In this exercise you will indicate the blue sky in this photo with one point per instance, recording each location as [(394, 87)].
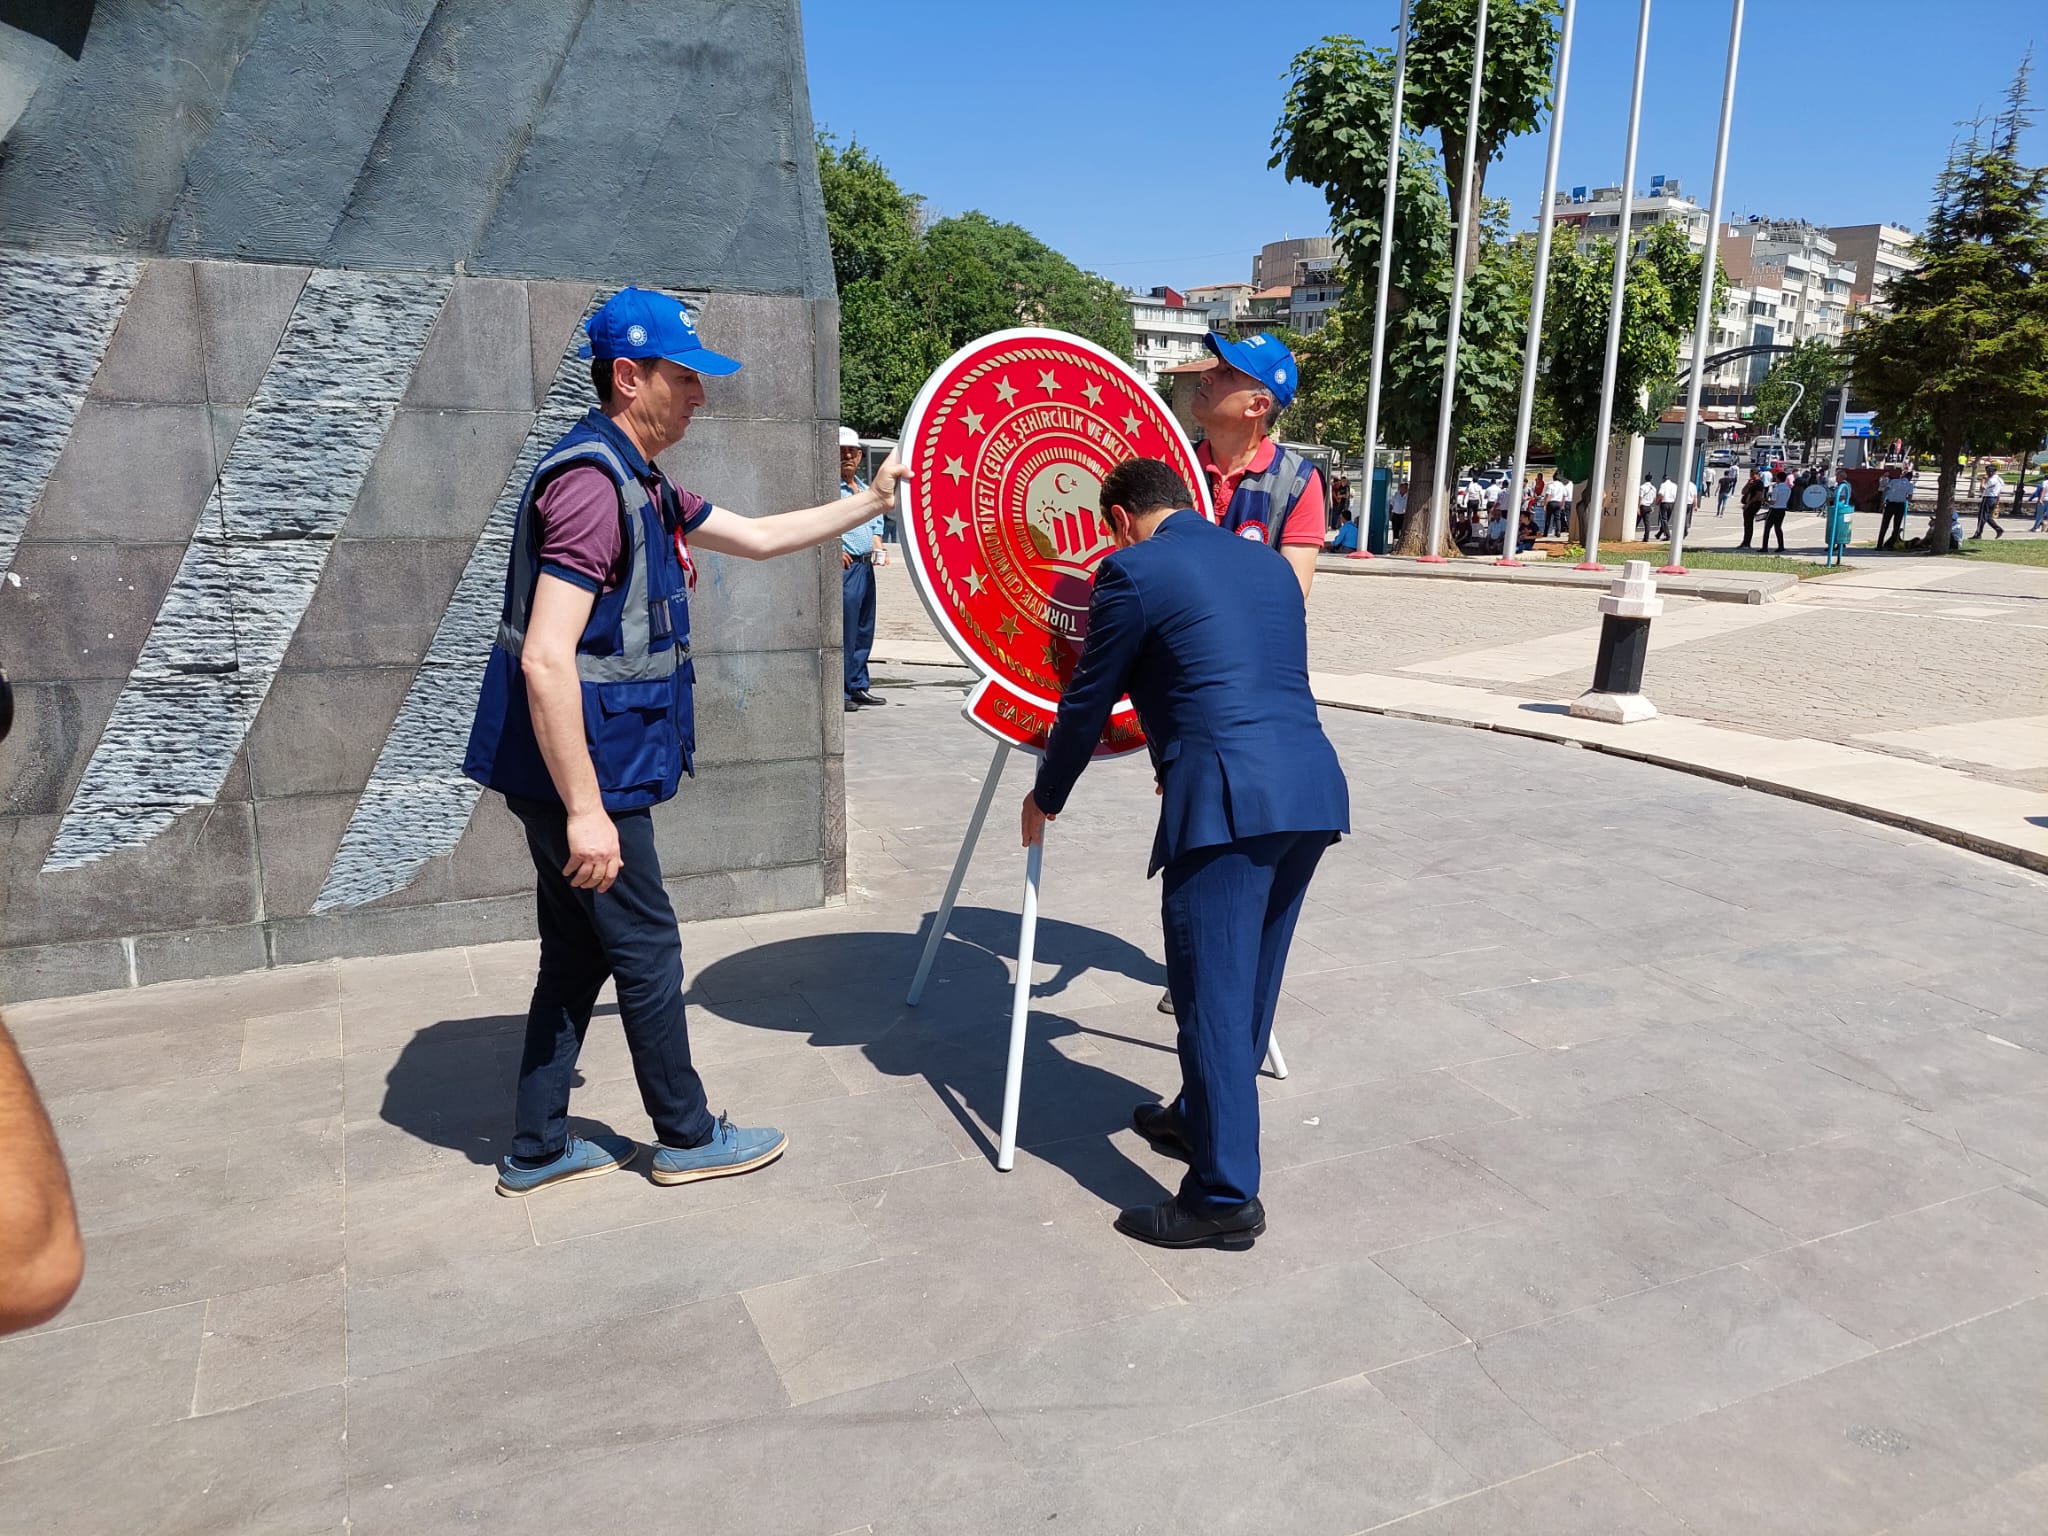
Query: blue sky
[(1133, 136)]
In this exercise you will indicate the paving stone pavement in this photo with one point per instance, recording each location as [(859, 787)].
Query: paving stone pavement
[(1864, 660), (1676, 1170)]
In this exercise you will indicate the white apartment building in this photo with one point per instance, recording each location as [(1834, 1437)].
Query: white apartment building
[(1596, 213), (1224, 303), (1801, 261), (1880, 253), (1166, 332), (1316, 292)]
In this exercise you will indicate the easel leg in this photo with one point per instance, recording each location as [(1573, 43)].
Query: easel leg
[(945, 912), (1275, 1062), (1020, 1009)]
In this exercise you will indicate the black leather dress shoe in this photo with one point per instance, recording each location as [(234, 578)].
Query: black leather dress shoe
[(1169, 1225), (851, 706), (1158, 1124), (868, 696)]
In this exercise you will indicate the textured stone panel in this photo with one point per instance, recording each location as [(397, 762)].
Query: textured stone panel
[(437, 474), (136, 473), (479, 357), (62, 970), (758, 707), (555, 313), (319, 732), (156, 355), (82, 610), (45, 370), (771, 336), (201, 873), (273, 177), (379, 602), (243, 308), (750, 817)]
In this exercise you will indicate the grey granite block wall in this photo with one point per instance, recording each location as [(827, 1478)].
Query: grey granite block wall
[(283, 330)]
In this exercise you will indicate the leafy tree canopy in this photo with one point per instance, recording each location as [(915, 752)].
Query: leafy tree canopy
[(1815, 363), (910, 296)]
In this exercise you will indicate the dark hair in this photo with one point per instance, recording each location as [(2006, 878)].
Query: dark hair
[(601, 375), (1143, 485)]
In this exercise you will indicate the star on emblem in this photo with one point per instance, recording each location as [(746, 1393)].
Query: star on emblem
[(1131, 424), (956, 525), (973, 420), (954, 468), (1092, 393), (1048, 383), (975, 582), (1052, 654), (1008, 628), (1006, 391)]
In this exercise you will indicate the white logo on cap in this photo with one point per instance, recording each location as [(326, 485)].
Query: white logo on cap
[(637, 335), (1280, 375), (683, 315)]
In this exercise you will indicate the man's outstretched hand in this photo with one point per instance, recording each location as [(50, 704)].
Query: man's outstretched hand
[(1034, 821)]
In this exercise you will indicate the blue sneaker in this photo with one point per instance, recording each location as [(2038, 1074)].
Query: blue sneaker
[(731, 1149), (584, 1158)]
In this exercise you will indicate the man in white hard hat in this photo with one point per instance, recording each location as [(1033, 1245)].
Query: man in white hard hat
[(860, 551)]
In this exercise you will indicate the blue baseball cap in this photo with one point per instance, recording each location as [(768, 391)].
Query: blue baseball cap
[(637, 322), (1265, 358)]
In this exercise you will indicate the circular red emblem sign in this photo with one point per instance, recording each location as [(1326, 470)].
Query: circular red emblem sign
[(1009, 443)]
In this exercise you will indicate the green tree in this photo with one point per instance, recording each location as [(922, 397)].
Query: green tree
[(1963, 355), (1659, 303), (910, 296), (1332, 134), (1817, 364)]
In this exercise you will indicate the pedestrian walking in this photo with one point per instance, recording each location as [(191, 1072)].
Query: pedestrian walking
[(1646, 502), (1667, 501), (1567, 492), (1397, 510), (2040, 507), (860, 550), (585, 724), (1210, 641), (1897, 500), (1754, 495), (1774, 512), (1724, 490), (1987, 509)]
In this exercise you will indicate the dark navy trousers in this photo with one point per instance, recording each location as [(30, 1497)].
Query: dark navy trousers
[(1229, 914), (627, 934), (857, 593)]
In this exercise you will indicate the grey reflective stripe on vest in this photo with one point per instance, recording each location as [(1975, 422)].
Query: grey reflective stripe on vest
[(1288, 469), (635, 661)]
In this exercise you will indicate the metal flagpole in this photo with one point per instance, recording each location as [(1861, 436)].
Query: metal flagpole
[(1379, 316), (1544, 223), (1608, 370), (1708, 265), (1439, 514)]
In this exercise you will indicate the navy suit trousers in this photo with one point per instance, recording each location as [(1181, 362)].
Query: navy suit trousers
[(627, 933), (857, 599), (1229, 914)]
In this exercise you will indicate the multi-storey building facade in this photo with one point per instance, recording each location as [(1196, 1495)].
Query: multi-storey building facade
[(1801, 261), (1166, 332), (1880, 253), (1596, 214)]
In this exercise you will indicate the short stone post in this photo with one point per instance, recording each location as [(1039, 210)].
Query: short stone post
[(1627, 608)]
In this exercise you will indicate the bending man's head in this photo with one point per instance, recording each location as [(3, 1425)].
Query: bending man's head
[(1136, 495)]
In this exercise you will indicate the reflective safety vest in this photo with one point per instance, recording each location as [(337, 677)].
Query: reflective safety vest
[(1250, 513), (633, 658)]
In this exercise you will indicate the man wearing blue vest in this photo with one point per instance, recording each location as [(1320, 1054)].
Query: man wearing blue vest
[(860, 551), (1209, 637), (1261, 491), (585, 723)]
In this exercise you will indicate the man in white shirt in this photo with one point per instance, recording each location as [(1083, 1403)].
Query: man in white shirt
[(1898, 497), (1667, 498), (1774, 512), (1565, 493), (1397, 510), (1646, 498), (1987, 509)]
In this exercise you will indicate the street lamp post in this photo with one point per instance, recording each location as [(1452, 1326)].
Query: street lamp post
[(1709, 266), (1612, 366), (1439, 511)]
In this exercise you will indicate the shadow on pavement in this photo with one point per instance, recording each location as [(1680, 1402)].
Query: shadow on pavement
[(453, 1082), (847, 989)]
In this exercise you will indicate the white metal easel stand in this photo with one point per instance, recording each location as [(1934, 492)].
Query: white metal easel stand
[(1027, 944)]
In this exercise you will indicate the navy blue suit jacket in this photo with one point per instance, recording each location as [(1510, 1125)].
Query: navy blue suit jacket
[(1208, 634)]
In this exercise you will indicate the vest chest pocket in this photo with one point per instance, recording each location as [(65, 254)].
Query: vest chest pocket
[(633, 739)]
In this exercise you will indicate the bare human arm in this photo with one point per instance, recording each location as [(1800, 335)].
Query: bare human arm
[(554, 695), (41, 1257), (1303, 558), (725, 532)]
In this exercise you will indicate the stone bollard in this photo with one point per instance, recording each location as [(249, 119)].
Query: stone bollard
[(1617, 692)]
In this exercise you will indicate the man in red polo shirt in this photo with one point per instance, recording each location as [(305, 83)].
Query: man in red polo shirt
[(1260, 490)]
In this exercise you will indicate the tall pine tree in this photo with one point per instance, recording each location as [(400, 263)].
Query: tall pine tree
[(1961, 362)]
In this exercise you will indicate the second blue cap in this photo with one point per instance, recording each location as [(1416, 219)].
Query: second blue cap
[(638, 322)]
